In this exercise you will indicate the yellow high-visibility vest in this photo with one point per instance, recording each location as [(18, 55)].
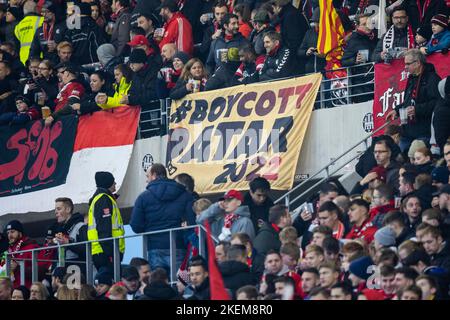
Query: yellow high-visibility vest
[(117, 225), (24, 32)]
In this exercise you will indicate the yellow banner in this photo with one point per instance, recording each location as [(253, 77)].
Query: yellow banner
[(228, 137)]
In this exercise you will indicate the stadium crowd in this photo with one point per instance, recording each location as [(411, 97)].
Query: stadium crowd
[(387, 239)]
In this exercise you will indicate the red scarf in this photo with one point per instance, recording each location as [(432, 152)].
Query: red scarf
[(229, 219), (277, 228), (363, 32), (423, 9), (48, 32), (228, 37), (274, 50), (339, 234)]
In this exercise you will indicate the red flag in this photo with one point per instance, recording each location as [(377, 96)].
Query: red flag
[(217, 288)]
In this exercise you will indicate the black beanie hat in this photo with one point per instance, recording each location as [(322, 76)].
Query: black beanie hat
[(104, 179), (24, 99), (184, 57), (14, 225), (138, 56), (16, 12)]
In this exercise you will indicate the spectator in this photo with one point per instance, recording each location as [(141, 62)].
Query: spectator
[(398, 38), (412, 209), (143, 267), (123, 81), (47, 82), (177, 28), (159, 288), (18, 69), (423, 36), (279, 59), (13, 16), (5, 289), (213, 29), (310, 280), (359, 217), (440, 40), (242, 11), (284, 287), (117, 292), (422, 160), (293, 27), (38, 292), (99, 89), (307, 52), (86, 39), (404, 277), (319, 293), (258, 201), (328, 275), (314, 256), (25, 113), (329, 215), (149, 22), (384, 238), (268, 235), (421, 95), (436, 248), (387, 281), (165, 204), (262, 25), (20, 293), (383, 202), (121, 30), (320, 233), (130, 279), (223, 76), (428, 285), (107, 57), (255, 260), (229, 39), (18, 241), (441, 116), (235, 271), (26, 29), (168, 77), (221, 251), (359, 49), (64, 293), (64, 50), (103, 282), (422, 12), (48, 35), (411, 292), (247, 293), (71, 92), (193, 79), (383, 156), (142, 90), (341, 291), (288, 235), (199, 277), (248, 71), (395, 221), (229, 217), (97, 14), (331, 246), (406, 185), (105, 221), (140, 42), (70, 228)]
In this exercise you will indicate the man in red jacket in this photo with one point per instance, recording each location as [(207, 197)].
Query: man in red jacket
[(19, 242), (359, 217), (177, 28)]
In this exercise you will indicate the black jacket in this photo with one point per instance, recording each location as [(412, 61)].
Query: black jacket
[(293, 27), (103, 222), (257, 39), (400, 40), (223, 77), (258, 212), (213, 62), (143, 86), (50, 88), (88, 104), (312, 63), (267, 239), (442, 258), (39, 44), (406, 234), (277, 65), (159, 291), (85, 41), (236, 275), (180, 91), (441, 120), (202, 292), (425, 101)]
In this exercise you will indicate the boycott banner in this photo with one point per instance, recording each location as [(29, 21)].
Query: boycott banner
[(228, 137), (35, 157), (390, 83)]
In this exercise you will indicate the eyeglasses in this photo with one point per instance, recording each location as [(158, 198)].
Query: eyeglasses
[(380, 151)]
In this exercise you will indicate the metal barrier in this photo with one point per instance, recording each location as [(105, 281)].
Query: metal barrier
[(155, 121), (286, 197), (89, 271)]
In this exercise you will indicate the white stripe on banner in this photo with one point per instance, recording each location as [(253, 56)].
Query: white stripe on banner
[(80, 183)]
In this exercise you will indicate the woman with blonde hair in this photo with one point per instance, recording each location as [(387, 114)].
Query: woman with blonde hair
[(64, 293), (38, 291), (193, 79)]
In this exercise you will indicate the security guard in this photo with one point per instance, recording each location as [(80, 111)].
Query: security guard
[(105, 221), (26, 29)]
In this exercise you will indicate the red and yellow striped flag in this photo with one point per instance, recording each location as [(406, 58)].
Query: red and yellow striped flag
[(331, 37)]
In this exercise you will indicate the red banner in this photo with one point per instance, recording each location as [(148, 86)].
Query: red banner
[(390, 83)]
